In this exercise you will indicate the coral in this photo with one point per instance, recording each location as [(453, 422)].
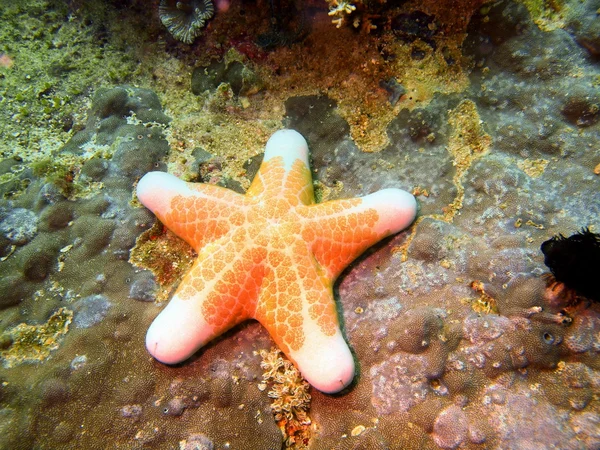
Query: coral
[(58, 258), (18, 226), (231, 70), (60, 49), (416, 25), (339, 10), (581, 24), (289, 24), (54, 392), (90, 310), (143, 289), (164, 254), (60, 173), (196, 442), (468, 141), (451, 428), (290, 397), (57, 216), (509, 360), (185, 19)]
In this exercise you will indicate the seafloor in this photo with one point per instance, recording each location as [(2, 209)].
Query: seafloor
[(489, 112)]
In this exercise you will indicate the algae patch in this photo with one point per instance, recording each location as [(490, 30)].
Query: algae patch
[(163, 253), (468, 142), (533, 167), (30, 343)]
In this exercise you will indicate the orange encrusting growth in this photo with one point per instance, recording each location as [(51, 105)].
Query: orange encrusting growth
[(272, 254)]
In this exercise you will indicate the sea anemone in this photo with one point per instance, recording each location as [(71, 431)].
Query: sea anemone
[(575, 261), (185, 19)]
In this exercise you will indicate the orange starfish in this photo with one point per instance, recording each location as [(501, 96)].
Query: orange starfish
[(272, 255)]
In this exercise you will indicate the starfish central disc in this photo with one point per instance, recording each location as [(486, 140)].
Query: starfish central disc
[(272, 255)]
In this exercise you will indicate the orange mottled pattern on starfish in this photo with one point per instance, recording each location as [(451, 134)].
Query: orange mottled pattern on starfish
[(228, 276), (291, 283), (203, 218), (300, 183), (278, 309), (338, 236), (296, 187)]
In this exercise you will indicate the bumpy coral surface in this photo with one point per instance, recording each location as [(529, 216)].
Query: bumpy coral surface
[(459, 338)]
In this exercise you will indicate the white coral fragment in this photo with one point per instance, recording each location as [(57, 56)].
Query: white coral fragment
[(339, 9)]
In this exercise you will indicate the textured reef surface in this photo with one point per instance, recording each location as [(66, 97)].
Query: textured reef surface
[(489, 113)]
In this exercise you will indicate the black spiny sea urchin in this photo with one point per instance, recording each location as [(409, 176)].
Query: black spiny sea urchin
[(575, 261)]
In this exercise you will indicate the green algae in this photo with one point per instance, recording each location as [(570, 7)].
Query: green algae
[(57, 172), (53, 59)]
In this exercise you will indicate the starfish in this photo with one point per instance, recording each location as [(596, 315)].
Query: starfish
[(272, 254)]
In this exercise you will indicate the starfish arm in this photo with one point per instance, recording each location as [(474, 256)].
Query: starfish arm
[(219, 292), (340, 230), (297, 307), (284, 176), (196, 212)]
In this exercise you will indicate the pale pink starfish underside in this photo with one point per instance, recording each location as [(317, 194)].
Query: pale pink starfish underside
[(272, 255)]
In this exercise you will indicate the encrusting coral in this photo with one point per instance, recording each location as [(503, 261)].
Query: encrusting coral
[(485, 363)]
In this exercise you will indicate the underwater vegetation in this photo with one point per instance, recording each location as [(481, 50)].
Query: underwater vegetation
[(471, 329)]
